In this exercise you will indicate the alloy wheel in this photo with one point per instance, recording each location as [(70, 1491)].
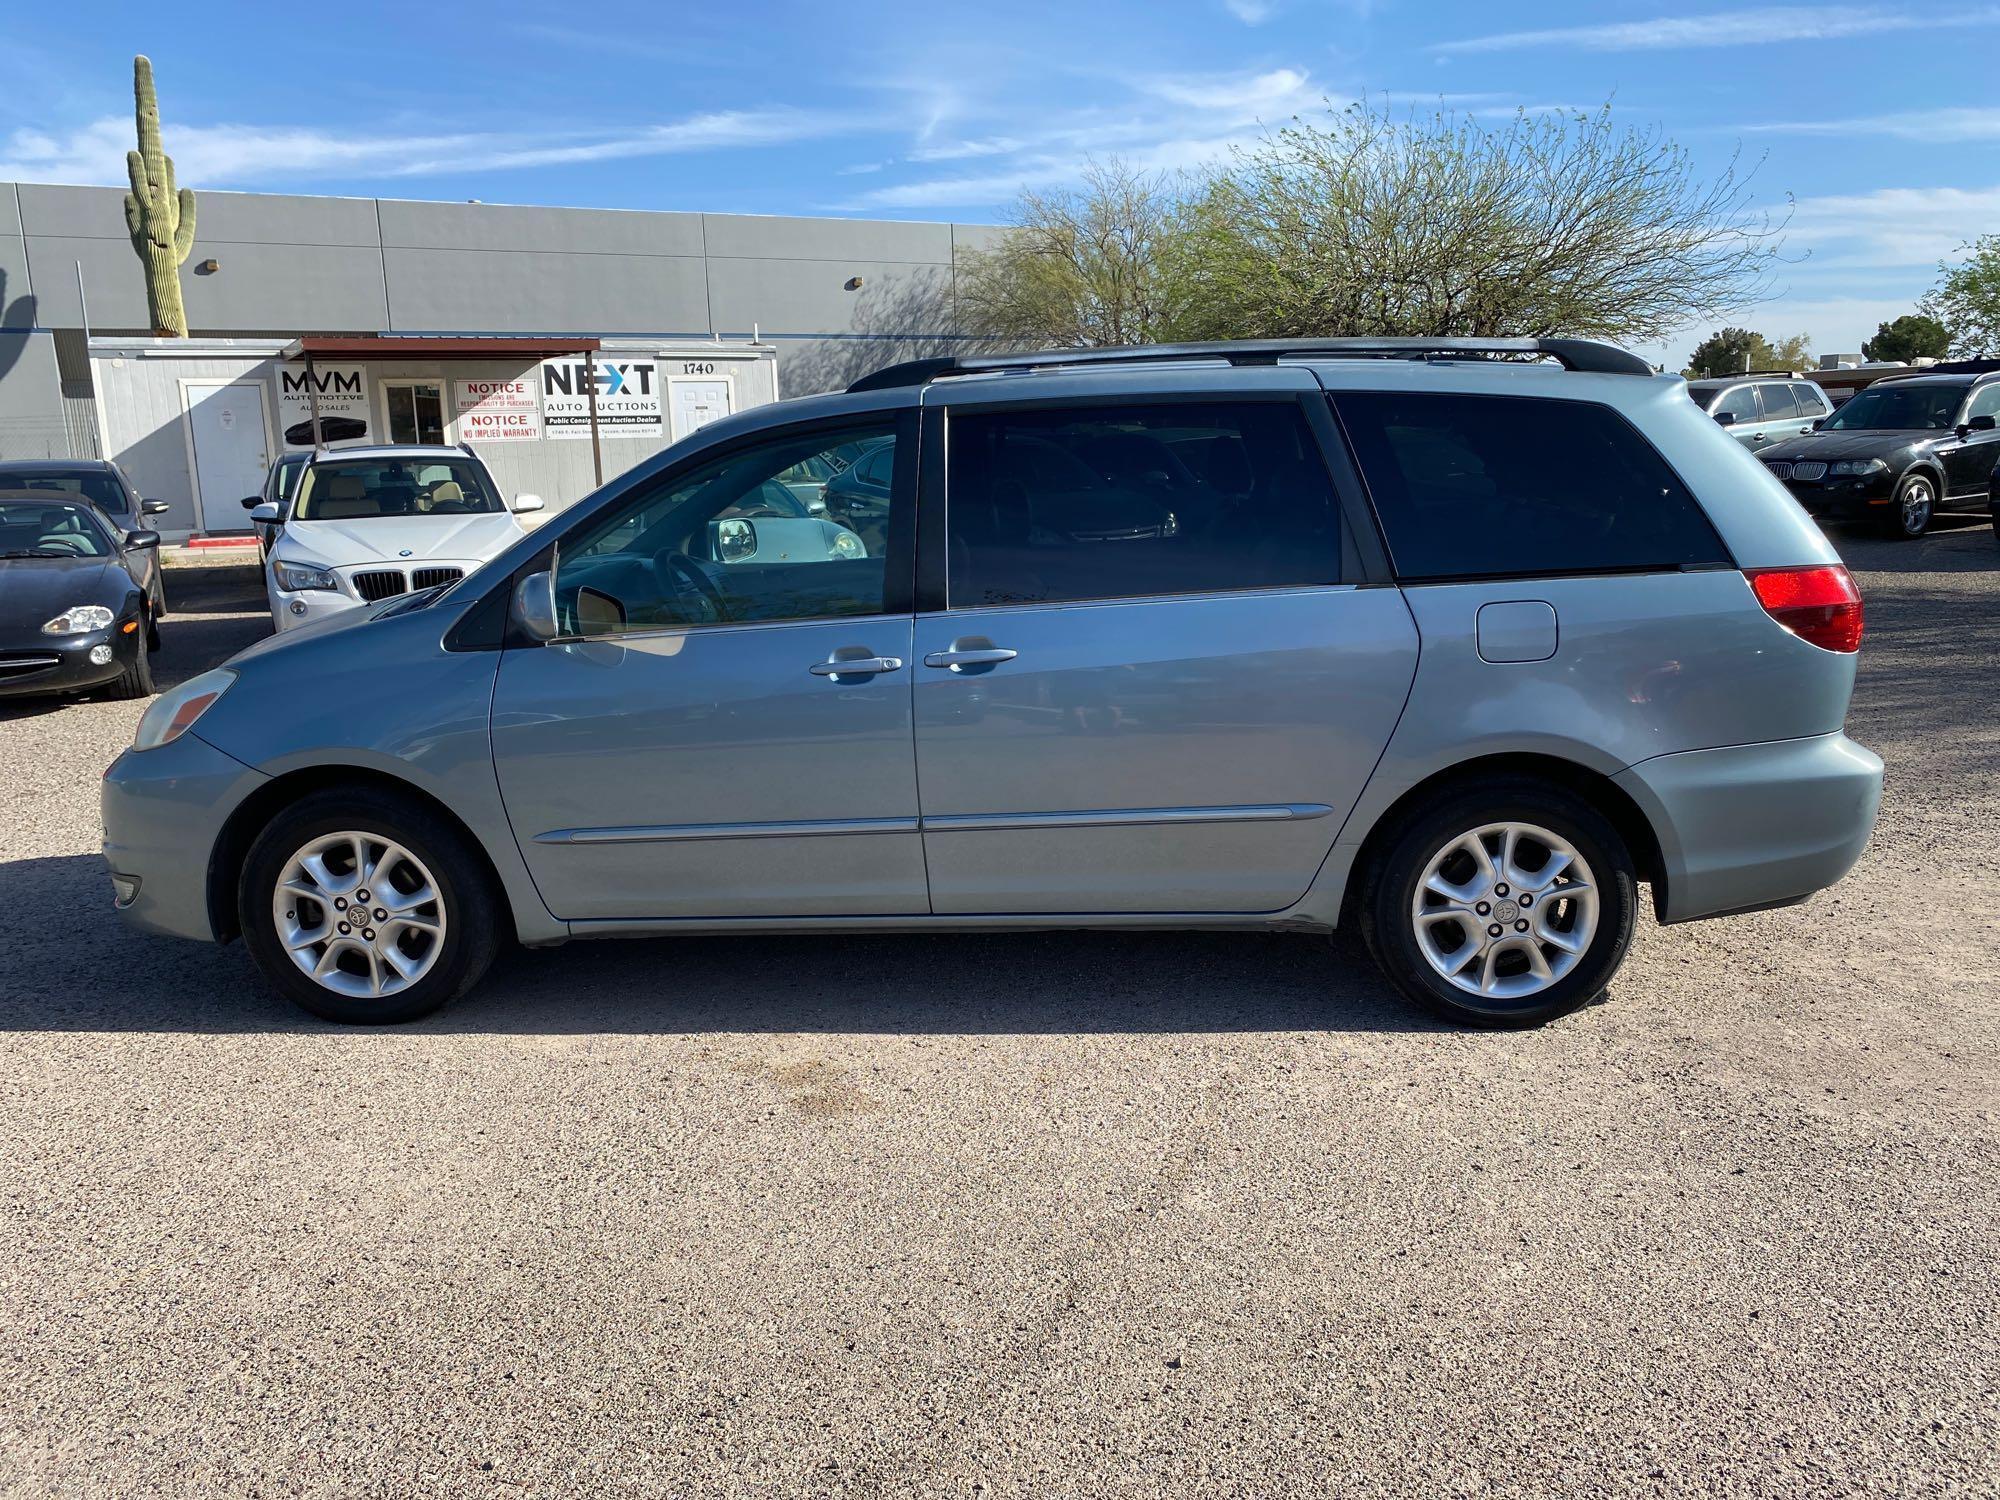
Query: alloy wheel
[(1505, 910), (359, 915), (1917, 500)]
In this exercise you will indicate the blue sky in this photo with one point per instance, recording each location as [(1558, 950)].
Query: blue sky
[(1878, 122)]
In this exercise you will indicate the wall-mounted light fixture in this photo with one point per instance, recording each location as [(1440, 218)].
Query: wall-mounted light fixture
[(208, 267), (854, 283)]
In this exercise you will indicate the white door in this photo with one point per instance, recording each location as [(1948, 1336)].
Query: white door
[(231, 443)]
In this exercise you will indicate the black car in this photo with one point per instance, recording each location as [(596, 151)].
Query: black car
[(1900, 450), (105, 486), (74, 610)]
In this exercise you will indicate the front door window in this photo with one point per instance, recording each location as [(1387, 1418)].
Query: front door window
[(416, 412)]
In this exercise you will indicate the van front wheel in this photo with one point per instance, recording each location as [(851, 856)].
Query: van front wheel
[(1505, 905), (367, 908)]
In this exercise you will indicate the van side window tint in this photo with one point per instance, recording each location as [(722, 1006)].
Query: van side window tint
[(1485, 486), (756, 534), (1120, 502)]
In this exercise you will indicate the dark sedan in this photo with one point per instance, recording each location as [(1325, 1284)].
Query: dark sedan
[(74, 611), (1900, 451), (105, 486)]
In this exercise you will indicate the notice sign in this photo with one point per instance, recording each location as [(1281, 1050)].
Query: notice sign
[(343, 403), (628, 398), (494, 411)]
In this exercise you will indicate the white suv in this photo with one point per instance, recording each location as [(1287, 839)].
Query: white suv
[(370, 523)]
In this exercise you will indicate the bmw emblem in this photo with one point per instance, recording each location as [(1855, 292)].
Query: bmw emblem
[(404, 553)]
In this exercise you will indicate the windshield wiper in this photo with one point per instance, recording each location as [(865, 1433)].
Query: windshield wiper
[(40, 552)]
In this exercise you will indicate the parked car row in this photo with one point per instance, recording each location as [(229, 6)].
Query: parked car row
[(1250, 636), (1897, 454)]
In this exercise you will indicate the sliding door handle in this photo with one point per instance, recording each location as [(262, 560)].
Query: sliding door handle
[(856, 666), (982, 656)]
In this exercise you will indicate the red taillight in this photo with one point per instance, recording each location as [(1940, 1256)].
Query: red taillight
[(1817, 604)]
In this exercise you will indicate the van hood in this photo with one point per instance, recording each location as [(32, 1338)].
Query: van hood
[(397, 539)]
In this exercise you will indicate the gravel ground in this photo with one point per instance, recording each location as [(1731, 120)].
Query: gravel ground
[(1074, 1214)]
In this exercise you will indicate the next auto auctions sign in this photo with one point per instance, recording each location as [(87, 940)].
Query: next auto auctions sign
[(492, 411), (628, 398)]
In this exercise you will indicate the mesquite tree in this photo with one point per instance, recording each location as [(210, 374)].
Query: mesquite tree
[(1365, 222), (159, 217)]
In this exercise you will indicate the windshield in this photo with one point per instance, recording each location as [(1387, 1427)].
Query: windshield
[(368, 489), (33, 528), (98, 488), (1900, 408)]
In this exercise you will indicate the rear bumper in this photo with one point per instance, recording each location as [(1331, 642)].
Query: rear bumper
[(1756, 825), (163, 810)]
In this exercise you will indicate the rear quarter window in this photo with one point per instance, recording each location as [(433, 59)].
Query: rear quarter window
[(1509, 486)]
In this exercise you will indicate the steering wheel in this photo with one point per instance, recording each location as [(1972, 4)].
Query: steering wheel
[(73, 544), (683, 569)]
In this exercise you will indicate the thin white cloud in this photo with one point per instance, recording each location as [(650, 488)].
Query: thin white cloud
[(1236, 96), (1163, 122), (1891, 226), (1250, 12), (1937, 126), (1742, 28), (248, 155)]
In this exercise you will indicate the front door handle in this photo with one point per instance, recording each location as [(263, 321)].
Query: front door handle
[(856, 666), (976, 656)]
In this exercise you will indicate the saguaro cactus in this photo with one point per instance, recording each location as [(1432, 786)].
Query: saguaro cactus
[(160, 218)]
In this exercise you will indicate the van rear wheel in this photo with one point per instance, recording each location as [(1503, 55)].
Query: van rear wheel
[(1505, 905), (367, 908)]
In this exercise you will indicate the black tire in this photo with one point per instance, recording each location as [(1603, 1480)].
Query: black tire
[(1389, 890), (1903, 520), (136, 681), (475, 915)]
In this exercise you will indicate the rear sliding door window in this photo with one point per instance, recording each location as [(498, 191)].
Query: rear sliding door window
[(1489, 486), (1120, 502)]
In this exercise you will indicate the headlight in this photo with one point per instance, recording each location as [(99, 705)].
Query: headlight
[(294, 577), (77, 620), (848, 545), (1852, 466), (173, 713)]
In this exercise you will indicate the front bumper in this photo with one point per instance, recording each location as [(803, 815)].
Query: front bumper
[(163, 810), (1756, 825), (289, 611), (1844, 498), (62, 664)]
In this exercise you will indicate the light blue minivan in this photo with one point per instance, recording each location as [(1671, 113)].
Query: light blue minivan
[(1459, 642)]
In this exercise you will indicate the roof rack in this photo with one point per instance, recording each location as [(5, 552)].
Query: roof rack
[(1582, 355)]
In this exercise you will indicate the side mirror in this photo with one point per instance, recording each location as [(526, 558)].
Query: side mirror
[(735, 539), (535, 605), (526, 503), (1818, 422), (1725, 419), (1984, 422), (154, 507), (251, 502), (138, 539), (264, 512)]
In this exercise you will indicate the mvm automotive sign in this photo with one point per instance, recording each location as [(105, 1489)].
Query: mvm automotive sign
[(343, 403), (628, 398)]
